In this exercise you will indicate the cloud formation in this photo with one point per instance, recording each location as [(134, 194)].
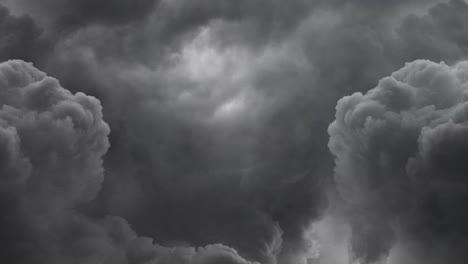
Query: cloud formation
[(219, 113), (52, 143), (21, 38), (399, 153)]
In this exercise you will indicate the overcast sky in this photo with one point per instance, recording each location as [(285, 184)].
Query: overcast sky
[(233, 131)]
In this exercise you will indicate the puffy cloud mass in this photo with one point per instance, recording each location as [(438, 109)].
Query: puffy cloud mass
[(400, 153), (52, 140), (51, 145), (219, 113)]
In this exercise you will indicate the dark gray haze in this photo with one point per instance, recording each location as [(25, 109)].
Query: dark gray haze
[(233, 131)]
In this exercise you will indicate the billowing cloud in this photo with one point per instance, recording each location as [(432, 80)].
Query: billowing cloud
[(52, 143), (60, 137), (260, 165), (219, 113), (399, 153)]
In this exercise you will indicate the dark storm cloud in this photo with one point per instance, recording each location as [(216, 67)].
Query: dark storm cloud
[(168, 157), (400, 152), (20, 38), (67, 14), (272, 174), (439, 35), (219, 109), (52, 143)]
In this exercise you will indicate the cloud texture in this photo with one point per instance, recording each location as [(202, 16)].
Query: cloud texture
[(219, 113), (52, 143), (400, 152)]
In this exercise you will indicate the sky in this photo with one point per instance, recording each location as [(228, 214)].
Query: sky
[(233, 132)]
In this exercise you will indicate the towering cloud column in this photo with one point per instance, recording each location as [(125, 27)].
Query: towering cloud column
[(401, 154), (51, 145)]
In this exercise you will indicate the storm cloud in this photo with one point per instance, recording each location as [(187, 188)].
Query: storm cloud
[(218, 114), (52, 147), (400, 162)]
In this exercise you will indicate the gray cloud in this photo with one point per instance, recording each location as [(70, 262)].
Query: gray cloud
[(52, 147), (439, 35), (21, 38), (399, 153), (52, 143), (165, 149), (70, 14), (219, 110)]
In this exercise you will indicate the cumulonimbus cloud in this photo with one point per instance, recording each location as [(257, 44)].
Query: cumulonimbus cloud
[(270, 73), (400, 153)]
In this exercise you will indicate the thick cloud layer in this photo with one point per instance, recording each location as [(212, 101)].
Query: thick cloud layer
[(219, 113), (20, 38), (439, 35), (73, 14), (400, 162)]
